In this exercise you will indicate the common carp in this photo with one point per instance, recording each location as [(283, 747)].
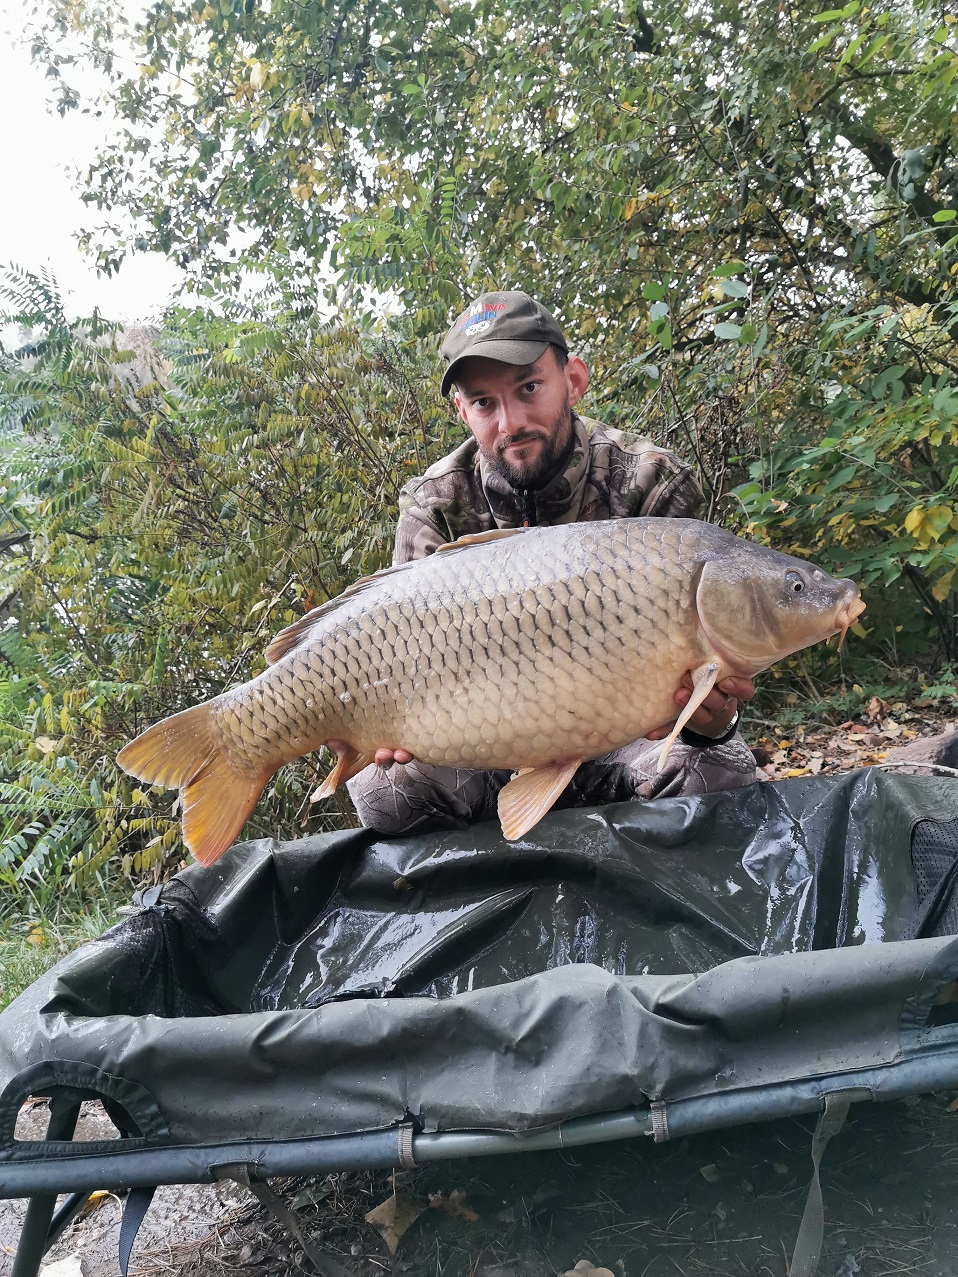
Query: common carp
[(532, 649)]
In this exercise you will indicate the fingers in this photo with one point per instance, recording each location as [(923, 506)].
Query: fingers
[(743, 689), (386, 757)]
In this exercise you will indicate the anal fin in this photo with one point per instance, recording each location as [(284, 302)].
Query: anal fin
[(703, 680), (349, 762), (530, 794)]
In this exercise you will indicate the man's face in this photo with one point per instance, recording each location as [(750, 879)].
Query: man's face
[(521, 417)]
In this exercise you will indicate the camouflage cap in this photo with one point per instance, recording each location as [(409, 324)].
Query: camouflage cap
[(511, 327)]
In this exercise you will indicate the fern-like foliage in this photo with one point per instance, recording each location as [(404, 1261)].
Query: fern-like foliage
[(177, 498)]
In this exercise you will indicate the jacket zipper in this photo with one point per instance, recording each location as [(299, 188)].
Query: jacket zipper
[(528, 509)]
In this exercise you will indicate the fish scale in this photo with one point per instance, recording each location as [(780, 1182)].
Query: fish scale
[(529, 650)]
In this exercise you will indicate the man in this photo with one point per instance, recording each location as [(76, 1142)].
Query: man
[(531, 460)]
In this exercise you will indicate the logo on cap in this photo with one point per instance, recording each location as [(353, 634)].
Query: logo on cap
[(479, 318)]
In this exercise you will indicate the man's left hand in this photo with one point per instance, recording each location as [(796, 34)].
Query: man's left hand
[(713, 716)]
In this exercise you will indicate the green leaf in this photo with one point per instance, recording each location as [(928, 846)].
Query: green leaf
[(728, 269), (652, 292), (728, 332), (945, 215)]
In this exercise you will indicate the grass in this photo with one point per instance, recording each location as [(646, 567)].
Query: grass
[(27, 949)]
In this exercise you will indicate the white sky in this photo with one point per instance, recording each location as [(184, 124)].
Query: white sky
[(40, 207)]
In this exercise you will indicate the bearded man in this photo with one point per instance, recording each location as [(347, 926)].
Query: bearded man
[(532, 460)]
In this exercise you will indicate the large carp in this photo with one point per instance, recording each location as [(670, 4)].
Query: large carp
[(530, 649)]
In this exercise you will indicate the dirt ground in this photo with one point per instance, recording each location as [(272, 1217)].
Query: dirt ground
[(724, 1204)]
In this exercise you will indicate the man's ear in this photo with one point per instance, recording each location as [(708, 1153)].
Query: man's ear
[(577, 378), (457, 400)]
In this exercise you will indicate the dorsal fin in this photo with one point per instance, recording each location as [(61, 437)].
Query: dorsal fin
[(478, 538), (294, 634)]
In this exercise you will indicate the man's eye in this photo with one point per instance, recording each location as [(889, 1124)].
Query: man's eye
[(532, 386)]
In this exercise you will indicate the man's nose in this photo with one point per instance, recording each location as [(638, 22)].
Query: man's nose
[(512, 418)]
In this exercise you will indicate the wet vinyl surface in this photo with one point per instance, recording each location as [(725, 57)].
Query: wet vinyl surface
[(771, 870), (681, 886)]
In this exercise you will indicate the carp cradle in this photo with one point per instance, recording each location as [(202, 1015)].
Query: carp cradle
[(343, 1002)]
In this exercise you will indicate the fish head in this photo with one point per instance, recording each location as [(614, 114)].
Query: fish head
[(757, 605)]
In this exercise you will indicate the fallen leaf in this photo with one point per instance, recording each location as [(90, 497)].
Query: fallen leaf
[(453, 1204), (780, 1168), (96, 1200), (710, 1173), (953, 1106), (71, 1267), (402, 884), (392, 1217), (586, 1268), (815, 764), (891, 728)]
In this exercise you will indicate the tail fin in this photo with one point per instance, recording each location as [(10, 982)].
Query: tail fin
[(182, 753)]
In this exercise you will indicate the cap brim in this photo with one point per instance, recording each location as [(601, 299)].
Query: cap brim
[(506, 352)]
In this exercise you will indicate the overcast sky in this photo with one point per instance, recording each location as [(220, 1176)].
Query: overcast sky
[(40, 209)]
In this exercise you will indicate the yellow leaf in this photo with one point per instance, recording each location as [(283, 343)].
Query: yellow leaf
[(942, 587), (36, 936), (257, 75), (913, 521), (630, 208), (45, 744)]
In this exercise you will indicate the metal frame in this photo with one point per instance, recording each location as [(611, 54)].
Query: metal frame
[(42, 1178)]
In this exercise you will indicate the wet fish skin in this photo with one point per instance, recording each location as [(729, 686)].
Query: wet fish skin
[(531, 650)]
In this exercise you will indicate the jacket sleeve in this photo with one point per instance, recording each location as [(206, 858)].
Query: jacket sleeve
[(678, 494), (416, 534)]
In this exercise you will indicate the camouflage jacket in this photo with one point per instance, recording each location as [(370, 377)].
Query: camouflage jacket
[(604, 478)]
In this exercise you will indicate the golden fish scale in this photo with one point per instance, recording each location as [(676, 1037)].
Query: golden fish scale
[(507, 654)]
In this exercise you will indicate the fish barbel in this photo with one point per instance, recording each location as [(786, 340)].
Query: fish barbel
[(532, 649)]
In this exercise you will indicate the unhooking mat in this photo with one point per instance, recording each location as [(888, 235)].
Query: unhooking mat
[(612, 958)]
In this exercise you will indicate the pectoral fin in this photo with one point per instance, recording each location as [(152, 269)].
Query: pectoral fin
[(349, 762), (703, 680), (530, 794), (479, 538)]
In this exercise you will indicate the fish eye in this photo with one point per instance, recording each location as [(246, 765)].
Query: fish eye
[(794, 582)]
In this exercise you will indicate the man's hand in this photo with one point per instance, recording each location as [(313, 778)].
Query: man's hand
[(386, 757), (717, 710), (383, 757)]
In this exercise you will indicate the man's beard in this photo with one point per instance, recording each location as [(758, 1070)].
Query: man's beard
[(536, 474)]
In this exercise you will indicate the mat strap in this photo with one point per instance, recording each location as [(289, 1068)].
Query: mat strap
[(322, 1263), (811, 1233)]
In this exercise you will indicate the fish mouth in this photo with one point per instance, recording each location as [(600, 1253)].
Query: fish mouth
[(848, 614)]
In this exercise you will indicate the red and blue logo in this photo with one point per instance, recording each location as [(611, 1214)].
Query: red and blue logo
[(480, 317)]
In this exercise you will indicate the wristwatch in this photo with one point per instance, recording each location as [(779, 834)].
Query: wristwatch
[(696, 739)]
